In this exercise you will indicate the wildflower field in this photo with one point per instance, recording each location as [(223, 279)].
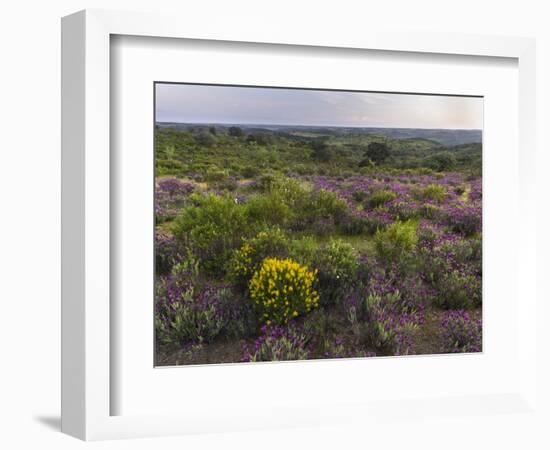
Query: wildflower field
[(292, 244)]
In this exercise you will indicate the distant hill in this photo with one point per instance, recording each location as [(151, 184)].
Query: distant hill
[(444, 137)]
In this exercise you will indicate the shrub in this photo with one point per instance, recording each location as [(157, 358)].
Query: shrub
[(246, 260), (434, 192), (457, 290), (172, 187), (184, 315), (235, 132), (441, 161), (403, 211), (325, 204), (381, 197), (214, 175), (460, 333), (212, 227), (453, 266), (377, 152), (250, 172), (278, 344), (355, 224), (465, 220), (267, 182), (168, 252), (359, 196), (269, 210), (295, 195), (282, 289), (396, 240), (379, 322), (431, 212), (337, 264), (303, 250), (205, 139), (170, 195)]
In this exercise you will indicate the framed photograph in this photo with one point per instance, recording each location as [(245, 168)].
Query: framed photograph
[(296, 224), (270, 231)]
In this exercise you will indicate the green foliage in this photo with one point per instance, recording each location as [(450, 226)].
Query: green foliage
[(397, 240), (291, 190), (429, 211), (326, 204), (215, 175), (188, 323), (372, 324), (381, 197), (321, 151), (404, 211), (279, 344), (337, 265), (353, 224), (247, 259), (319, 207), (377, 152), (441, 161), (178, 153), (250, 172), (360, 196), (212, 227), (235, 132), (434, 192), (269, 210), (205, 138), (303, 250), (458, 291), (259, 139), (282, 289)]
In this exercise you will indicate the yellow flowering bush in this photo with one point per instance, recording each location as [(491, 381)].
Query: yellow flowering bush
[(282, 289)]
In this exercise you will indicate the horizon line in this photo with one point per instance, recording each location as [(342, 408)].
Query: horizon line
[(317, 126)]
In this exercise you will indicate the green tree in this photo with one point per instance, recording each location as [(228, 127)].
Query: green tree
[(235, 132), (377, 152), (321, 151), (205, 138), (441, 161)]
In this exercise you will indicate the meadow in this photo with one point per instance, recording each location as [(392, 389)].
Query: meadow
[(276, 244)]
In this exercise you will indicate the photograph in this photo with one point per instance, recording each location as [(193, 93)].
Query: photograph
[(305, 224)]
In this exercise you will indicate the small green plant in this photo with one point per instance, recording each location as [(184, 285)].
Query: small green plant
[(381, 197), (278, 343), (397, 240), (434, 192), (359, 196), (458, 291), (250, 172), (214, 175), (282, 289), (337, 264), (185, 321)]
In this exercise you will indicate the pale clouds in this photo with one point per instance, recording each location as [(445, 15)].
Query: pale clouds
[(227, 104)]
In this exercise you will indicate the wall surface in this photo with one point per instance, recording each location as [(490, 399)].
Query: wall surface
[(30, 193)]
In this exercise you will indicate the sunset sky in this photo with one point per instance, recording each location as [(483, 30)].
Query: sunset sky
[(268, 106)]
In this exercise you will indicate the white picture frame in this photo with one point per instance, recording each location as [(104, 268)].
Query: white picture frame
[(86, 220)]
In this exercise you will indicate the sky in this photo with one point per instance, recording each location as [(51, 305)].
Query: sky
[(187, 103)]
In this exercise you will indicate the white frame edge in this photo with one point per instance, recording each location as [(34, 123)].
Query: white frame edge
[(85, 192)]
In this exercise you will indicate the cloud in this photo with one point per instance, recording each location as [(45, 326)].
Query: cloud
[(249, 105)]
